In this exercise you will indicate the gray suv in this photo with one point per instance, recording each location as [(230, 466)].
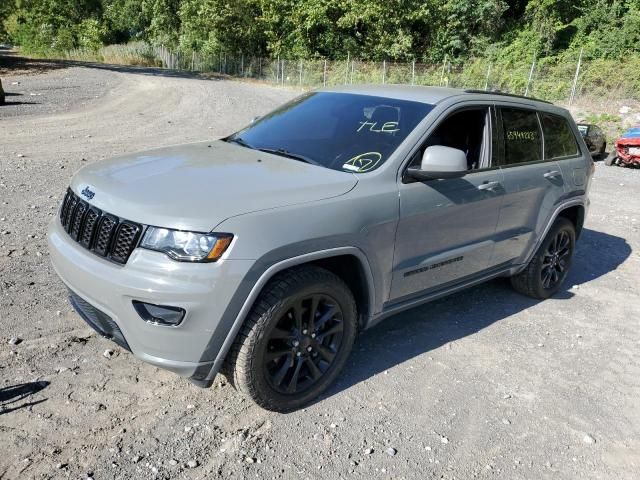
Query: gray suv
[(261, 255)]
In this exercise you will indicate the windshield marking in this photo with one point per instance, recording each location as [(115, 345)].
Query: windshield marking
[(363, 162), (387, 127)]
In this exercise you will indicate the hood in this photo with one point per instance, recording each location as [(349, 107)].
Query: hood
[(197, 186)]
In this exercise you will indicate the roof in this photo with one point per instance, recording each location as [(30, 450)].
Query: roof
[(430, 95), (415, 93)]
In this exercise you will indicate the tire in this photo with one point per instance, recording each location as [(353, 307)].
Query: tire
[(312, 358), (603, 150), (545, 273), (611, 159)]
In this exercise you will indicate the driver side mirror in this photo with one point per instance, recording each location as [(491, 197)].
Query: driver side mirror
[(440, 162)]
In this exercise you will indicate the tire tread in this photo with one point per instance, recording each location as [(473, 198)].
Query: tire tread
[(239, 362)]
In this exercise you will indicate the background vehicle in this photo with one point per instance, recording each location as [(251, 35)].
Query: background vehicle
[(264, 254), (627, 151), (594, 137)]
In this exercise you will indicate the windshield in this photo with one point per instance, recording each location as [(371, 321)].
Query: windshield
[(342, 131)]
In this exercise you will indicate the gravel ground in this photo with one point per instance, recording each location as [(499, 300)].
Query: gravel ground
[(484, 384)]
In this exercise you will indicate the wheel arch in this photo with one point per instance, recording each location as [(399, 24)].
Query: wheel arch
[(574, 211), (575, 214), (339, 261)]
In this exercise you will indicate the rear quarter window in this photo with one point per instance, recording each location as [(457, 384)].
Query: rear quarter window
[(522, 136), (559, 140)]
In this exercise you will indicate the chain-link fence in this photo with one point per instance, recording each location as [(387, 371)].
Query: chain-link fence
[(563, 81)]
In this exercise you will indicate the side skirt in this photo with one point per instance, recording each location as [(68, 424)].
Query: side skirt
[(392, 308)]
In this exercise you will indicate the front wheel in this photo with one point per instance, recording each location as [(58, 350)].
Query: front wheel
[(296, 339), (548, 268)]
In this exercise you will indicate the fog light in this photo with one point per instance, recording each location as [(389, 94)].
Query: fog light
[(159, 314)]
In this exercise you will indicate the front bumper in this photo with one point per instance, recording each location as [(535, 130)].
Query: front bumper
[(203, 290)]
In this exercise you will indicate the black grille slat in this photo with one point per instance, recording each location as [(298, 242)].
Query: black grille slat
[(65, 207), (101, 232), (90, 224), (71, 207), (78, 218), (125, 242), (106, 227)]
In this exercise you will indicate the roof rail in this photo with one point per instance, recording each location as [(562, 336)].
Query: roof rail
[(506, 95)]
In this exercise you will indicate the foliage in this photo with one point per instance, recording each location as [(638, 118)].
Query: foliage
[(504, 31)]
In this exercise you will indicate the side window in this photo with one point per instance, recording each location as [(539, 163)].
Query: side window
[(522, 137), (559, 140), (468, 130)]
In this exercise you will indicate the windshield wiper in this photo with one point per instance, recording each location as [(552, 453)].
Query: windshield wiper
[(240, 141), (286, 153)]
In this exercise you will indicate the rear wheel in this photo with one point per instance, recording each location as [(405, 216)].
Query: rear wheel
[(549, 266), (603, 150), (296, 339)]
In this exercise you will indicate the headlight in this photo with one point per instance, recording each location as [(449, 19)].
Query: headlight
[(186, 246)]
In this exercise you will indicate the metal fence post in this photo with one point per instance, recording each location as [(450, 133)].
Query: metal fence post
[(324, 74), (300, 72), (486, 80), (413, 72), (352, 67), (444, 65), (575, 78), (242, 65), (346, 68), (533, 66), (384, 71), (448, 74)]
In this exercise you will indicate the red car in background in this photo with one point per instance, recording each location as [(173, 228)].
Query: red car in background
[(627, 151)]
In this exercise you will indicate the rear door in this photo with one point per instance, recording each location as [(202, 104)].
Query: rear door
[(533, 183)]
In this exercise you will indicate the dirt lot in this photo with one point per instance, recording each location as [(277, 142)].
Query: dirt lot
[(484, 384)]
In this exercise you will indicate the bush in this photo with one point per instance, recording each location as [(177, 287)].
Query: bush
[(90, 34)]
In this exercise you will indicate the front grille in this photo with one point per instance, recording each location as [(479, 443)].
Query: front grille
[(104, 234), (98, 320)]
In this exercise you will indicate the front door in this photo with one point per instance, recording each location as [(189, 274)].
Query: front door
[(446, 227)]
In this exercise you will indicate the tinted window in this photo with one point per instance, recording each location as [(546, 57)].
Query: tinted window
[(558, 137), (342, 131), (522, 139), (467, 130)]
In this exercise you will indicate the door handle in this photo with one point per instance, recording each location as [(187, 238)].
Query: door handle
[(489, 186), (552, 174)]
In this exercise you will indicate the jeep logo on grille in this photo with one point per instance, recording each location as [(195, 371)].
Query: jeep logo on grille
[(87, 192)]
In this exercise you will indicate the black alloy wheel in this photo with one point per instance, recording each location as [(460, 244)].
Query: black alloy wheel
[(549, 266), (555, 260), (296, 339), (303, 344)]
